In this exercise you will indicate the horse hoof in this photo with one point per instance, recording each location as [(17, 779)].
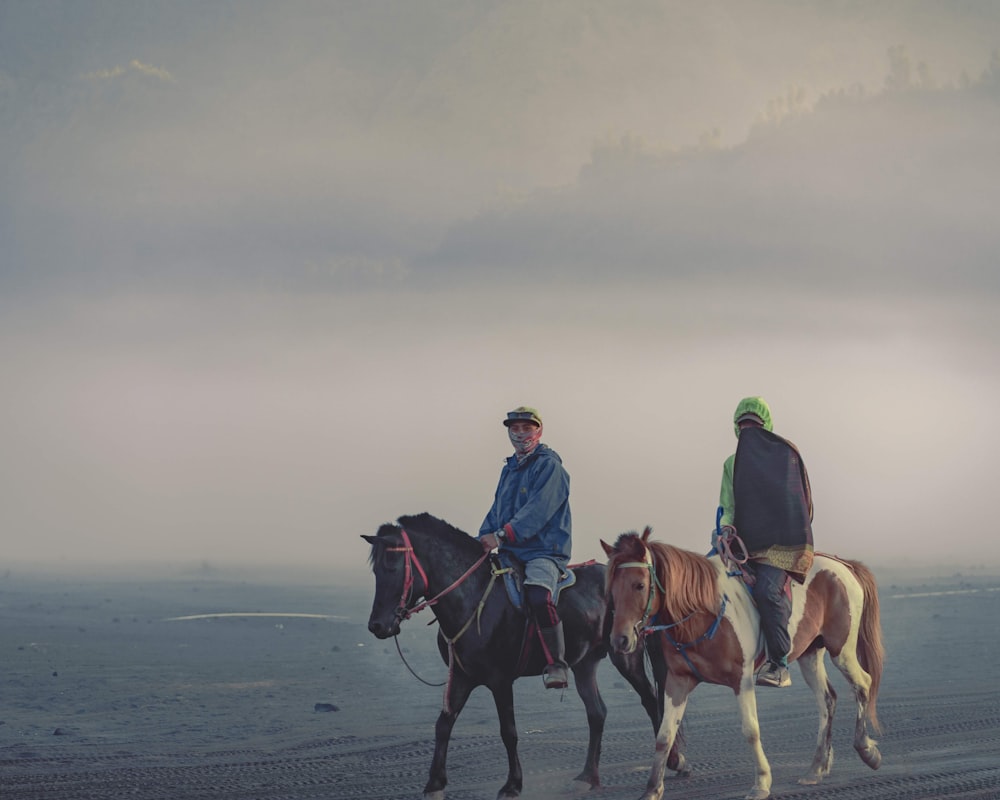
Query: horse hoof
[(810, 780), (872, 757), (758, 794), (438, 795), (682, 768), (585, 781)]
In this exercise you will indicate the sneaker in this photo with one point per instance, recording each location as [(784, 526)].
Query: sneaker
[(772, 674)]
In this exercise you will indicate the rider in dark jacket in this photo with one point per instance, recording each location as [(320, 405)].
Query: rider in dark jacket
[(765, 495)]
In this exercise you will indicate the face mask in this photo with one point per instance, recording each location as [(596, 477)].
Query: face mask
[(525, 441)]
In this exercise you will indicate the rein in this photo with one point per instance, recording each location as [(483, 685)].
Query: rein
[(682, 647), (404, 612)]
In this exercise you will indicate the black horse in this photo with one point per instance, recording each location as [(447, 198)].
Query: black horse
[(481, 635)]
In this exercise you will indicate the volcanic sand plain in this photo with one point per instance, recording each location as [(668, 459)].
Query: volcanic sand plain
[(210, 683)]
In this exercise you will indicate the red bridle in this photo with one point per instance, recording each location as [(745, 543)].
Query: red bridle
[(404, 611)]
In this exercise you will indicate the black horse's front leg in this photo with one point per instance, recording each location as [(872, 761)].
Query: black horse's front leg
[(503, 697), (585, 678), (457, 693)]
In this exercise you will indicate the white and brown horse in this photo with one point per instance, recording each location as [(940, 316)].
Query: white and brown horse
[(708, 628)]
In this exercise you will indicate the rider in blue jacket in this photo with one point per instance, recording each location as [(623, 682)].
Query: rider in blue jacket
[(530, 518)]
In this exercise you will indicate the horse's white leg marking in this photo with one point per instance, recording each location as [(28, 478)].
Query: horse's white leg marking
[(747, 699), (860, 681), (814, 672), (677, 692)]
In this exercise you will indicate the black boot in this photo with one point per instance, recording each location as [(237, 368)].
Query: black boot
[(556, 674)]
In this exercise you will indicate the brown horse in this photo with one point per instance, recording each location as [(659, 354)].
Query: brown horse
[(706, 625)]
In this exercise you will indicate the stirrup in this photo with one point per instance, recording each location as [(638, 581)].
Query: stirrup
[(555, 676)]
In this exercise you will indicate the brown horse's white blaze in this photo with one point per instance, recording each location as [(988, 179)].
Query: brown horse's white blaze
[(708, 630)]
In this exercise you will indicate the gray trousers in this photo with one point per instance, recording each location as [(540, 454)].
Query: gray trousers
[(541, 576), (775, 608)]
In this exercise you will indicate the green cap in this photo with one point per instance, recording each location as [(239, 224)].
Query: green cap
[(523, 414)]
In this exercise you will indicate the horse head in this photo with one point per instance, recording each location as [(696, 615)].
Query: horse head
[(399, 579), (411, 556), (631, 588)]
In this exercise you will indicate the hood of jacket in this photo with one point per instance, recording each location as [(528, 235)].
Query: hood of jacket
[(753, 405)]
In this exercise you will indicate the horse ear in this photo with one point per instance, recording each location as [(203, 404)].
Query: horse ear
[(369, 539), (645, 534), (608, 549)]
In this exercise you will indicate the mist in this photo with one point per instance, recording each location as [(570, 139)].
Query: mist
[(271, 277)]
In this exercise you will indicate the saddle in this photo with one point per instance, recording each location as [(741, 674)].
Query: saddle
[(512, 570)]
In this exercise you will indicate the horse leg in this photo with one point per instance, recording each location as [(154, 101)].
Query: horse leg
[(746, 697), (503, 698), (861, 682), (675, 758), (814, 671), (676, 692), (585, 678), (457, 693), (630, 665)]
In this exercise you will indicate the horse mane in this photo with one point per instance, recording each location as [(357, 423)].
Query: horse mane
[(688, 579), (421, 523), (429, 524)]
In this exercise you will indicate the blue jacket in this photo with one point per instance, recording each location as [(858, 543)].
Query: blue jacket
[(532, 506)]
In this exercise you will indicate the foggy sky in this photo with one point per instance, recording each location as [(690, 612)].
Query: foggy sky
[(271, 274)]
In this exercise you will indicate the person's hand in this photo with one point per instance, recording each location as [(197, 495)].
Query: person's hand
[(489, 542)]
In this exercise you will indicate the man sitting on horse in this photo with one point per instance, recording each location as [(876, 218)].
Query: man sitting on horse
[(530, 518), (765, 496)]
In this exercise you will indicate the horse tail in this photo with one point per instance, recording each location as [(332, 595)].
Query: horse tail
[(871, 651)]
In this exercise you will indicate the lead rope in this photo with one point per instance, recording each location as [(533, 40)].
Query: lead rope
[(412, 672), (404, 613), (724, 540), (409, 555)]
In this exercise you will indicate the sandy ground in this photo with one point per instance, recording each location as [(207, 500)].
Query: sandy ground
[(105, 694)]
